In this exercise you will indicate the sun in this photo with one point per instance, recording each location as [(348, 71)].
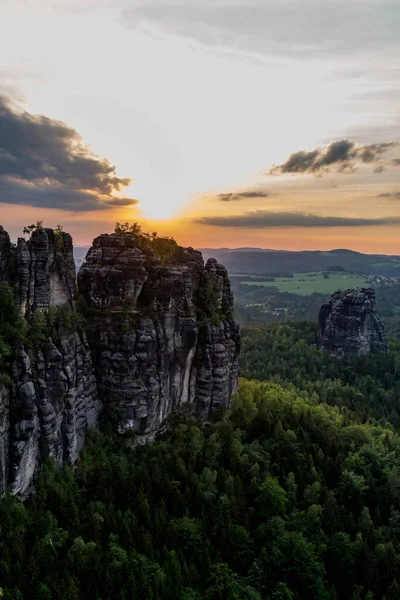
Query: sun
[(158, 202), (159, 210)]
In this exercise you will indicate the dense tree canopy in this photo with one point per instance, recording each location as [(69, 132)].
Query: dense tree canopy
[(261, 304), (294, 494)]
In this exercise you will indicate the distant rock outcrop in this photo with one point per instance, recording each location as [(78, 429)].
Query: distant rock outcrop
[(349, 324)]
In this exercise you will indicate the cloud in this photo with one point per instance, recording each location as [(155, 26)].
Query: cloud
[(298, 162), (253, 194), (289, 28), (240, 195), (343, 154), (395, 195), (121, 202), (44, 163), (264, 218)]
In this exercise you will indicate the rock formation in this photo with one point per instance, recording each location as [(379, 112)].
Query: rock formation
[(154, 335), (349, 324), (52, 397), (161, 335)]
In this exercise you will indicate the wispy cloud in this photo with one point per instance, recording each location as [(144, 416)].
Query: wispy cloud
[(342, 155), (395, 195), (258, 219), (44, 163), (230, 196), (289, 28)]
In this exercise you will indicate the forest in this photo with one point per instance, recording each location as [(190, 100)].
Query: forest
[(291, 494), (255, 304)]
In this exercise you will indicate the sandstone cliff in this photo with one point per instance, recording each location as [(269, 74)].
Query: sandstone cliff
[(349, 324), (161, 335), (149, 336), (52, 397)]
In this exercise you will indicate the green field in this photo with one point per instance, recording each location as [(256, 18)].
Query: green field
[(310, 283)]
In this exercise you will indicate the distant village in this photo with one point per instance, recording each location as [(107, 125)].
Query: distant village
[(377, 280)]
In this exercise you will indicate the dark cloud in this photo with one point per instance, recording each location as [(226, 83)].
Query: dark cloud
[(371, 152), (337, 152), (121, 202), (240, 195), (298, 162), (263, 218), (254, 194), (44, 163), (395, 195), (343, 154)]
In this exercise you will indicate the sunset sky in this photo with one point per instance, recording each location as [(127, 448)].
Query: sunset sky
[(223, 123)]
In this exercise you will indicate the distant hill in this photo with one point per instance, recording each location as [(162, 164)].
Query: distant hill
[(79, 254), (275, 262)]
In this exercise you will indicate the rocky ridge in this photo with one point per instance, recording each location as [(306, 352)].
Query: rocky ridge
[(349, 324), (155, 335)]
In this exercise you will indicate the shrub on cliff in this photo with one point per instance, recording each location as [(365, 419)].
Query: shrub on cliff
[(165, 248), (207, 308), (12, 327)]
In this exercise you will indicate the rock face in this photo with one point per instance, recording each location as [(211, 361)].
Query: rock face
[(154, 337), (52, 399), (45, 271), (349, 324), (154, 345)]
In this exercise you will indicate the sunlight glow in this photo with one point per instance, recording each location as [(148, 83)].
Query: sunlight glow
[(158, 209)]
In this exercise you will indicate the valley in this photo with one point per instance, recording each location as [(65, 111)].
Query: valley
[(316, 282)]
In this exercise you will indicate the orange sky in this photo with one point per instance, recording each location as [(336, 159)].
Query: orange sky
[(175, 118), (371, 239)]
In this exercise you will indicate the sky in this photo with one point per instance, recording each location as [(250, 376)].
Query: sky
[(223, 123)]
